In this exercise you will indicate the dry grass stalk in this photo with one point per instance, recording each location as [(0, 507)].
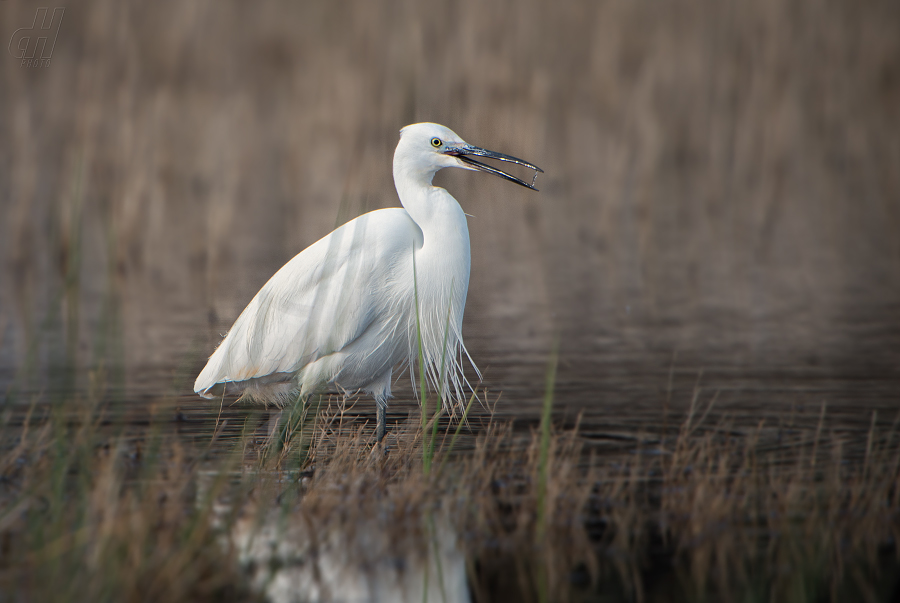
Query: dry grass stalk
[(142, 519)]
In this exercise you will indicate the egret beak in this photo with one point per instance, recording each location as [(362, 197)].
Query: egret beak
[(464, 150)]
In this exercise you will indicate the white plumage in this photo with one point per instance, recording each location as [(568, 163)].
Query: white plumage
[(342, 312)]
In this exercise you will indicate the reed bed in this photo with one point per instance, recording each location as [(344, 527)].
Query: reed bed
[(91, 511)]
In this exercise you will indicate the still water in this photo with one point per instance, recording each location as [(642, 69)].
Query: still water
[(623, 373)]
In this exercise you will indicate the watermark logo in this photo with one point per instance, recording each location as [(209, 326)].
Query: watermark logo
[(34, 45)]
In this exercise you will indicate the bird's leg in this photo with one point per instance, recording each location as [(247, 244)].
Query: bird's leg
[(381, 422)]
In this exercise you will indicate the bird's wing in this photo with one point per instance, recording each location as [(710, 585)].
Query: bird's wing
[(317, 303)]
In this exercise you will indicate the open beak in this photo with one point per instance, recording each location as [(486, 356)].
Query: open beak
[(464, 152)]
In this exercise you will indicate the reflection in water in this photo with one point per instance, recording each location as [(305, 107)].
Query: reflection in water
[(295, 559)]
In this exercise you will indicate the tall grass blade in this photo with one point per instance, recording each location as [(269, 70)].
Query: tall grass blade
[(543, 463), (544, 450), (459, 426), (441, 384)]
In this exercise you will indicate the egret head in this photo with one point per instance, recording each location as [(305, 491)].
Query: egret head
[(426, 148)]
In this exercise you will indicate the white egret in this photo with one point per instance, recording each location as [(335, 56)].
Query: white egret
[(343, 312)]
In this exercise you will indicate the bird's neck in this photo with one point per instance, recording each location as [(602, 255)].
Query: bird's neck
[(431, 207), (444, 259)]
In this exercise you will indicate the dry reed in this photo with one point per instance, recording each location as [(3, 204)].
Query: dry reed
[(90, 515)]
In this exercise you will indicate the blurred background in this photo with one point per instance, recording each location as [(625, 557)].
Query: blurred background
[(720, 208)]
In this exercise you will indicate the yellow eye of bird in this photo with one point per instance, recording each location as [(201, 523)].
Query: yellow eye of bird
[(436, 142)]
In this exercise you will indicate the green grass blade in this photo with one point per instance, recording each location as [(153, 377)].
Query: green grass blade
[(545, 443)]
